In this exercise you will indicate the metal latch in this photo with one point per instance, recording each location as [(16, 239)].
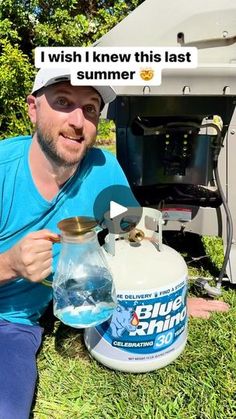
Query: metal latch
[(207, 43)]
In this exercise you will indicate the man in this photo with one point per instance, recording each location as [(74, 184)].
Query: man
[(55, 175)]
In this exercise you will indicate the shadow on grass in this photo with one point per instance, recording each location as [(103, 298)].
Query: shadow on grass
[(191, 247), (69, 341)]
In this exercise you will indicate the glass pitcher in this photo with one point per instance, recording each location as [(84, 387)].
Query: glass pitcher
[(83, 287)]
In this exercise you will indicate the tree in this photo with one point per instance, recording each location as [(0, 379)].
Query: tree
[(26, 24)]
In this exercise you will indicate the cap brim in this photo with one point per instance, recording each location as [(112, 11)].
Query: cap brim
[(48, 76)]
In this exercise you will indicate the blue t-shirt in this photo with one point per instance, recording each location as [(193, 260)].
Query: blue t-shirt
[(23, 210)]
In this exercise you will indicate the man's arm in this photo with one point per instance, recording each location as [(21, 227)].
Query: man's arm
[(30, 258)]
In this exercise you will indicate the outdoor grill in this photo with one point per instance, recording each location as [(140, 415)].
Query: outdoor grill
[(176, 142)]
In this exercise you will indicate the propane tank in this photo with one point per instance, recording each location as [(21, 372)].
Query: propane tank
[(148, 328)]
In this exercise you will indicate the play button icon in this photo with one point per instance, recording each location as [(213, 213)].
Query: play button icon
[(116, 209)]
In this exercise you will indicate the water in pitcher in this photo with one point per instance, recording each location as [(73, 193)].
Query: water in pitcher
[(85, 302)]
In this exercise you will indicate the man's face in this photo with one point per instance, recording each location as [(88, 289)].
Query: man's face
[(66, 119)]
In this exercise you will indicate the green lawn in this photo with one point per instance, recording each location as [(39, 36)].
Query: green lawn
[(200, 384)]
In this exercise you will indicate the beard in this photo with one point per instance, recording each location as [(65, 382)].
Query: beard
[(49, 148)]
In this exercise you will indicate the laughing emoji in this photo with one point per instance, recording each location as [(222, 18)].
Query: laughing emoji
[(146, 73)]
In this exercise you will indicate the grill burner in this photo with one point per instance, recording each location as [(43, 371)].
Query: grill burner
[(190, 195), (176, 143)]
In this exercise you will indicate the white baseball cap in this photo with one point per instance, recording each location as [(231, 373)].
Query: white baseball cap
[(47, 76)]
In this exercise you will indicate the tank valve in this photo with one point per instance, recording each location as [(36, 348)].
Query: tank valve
[(136, 235)]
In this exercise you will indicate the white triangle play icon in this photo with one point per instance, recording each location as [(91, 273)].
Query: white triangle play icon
[(116, 209)]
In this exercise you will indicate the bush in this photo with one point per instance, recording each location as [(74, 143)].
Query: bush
[(106, 132), (16, 75)]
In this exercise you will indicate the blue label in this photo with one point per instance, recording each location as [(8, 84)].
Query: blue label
[(147, 322)]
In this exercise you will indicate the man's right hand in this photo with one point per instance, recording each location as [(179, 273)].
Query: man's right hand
[(31, 257)]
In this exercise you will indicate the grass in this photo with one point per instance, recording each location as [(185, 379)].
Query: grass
[(200, 384)]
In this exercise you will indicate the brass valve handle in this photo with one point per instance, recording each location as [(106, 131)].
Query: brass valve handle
[(136, 235)]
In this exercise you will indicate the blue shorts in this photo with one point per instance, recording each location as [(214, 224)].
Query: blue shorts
[(19, 344)]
